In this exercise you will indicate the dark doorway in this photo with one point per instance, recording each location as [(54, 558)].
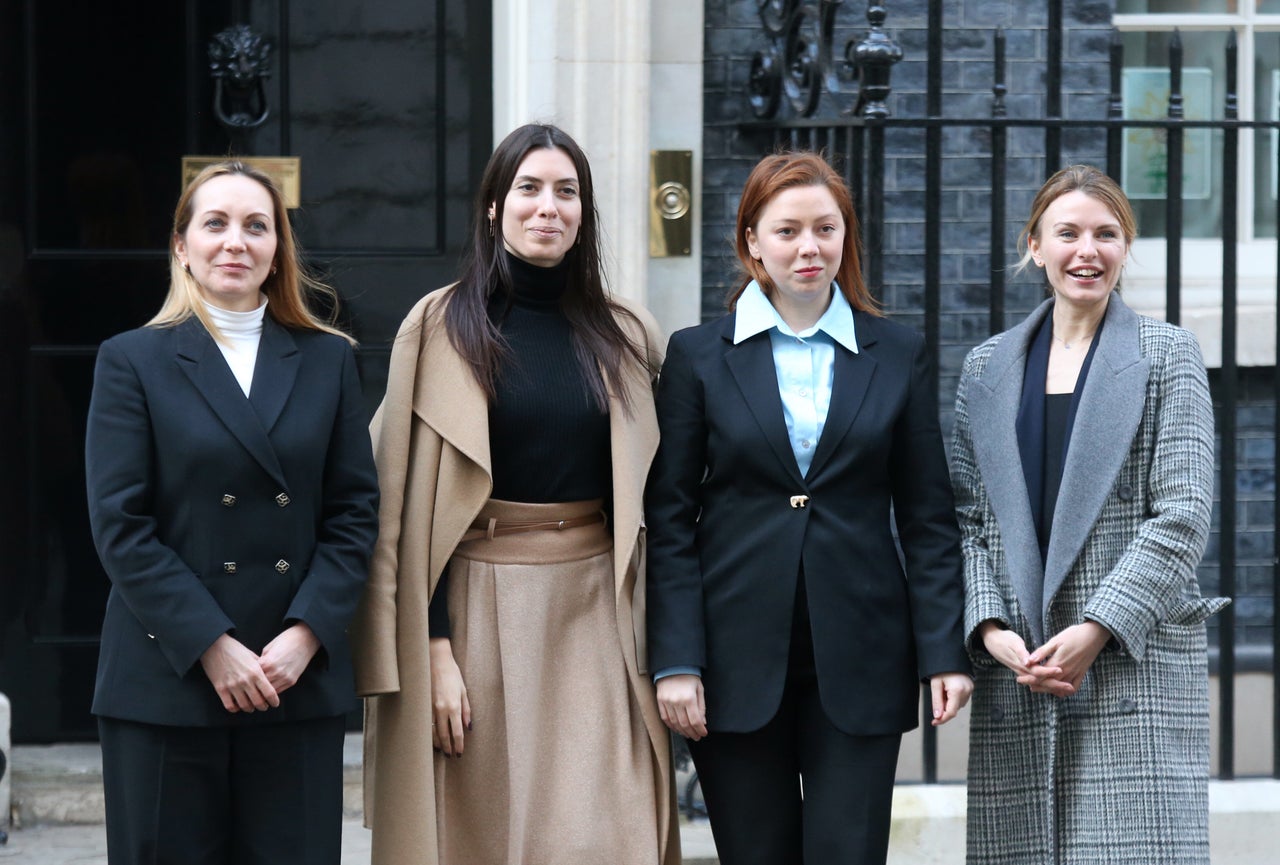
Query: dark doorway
[(388, 107)]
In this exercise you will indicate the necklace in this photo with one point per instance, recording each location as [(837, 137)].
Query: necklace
[(1068, 345)]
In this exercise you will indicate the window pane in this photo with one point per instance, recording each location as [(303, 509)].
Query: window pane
[(1144, 160), (1165, 7), (1266, 77), (1269, 7)]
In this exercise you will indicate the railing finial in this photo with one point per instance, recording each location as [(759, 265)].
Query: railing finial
[(875, 56)]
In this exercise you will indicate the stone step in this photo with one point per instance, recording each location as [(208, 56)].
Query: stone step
[(61, 784)]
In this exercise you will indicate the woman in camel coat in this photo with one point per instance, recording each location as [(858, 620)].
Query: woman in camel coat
[(436, 466)]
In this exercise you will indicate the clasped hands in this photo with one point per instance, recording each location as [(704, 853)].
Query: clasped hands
[(1058, 667), (248, 682)]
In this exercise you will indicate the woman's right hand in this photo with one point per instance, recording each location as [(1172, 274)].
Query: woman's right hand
[(682, 705), (450, 709), (1008, 648), (237, 676)]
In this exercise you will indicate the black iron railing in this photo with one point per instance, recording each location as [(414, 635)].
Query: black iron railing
[(790, 76)]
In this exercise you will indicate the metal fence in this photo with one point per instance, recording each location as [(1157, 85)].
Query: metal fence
[(792, 78)]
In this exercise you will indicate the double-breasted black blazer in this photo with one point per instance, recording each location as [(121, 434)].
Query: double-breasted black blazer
[(218, 513), (726, 539)]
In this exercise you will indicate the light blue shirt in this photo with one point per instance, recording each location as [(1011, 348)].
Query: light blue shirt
[(804, 362), (805, 365)]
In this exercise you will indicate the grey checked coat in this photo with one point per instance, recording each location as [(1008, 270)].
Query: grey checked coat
[(1117, 773)]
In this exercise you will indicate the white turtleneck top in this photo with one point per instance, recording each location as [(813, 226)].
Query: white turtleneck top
[(241, 333)]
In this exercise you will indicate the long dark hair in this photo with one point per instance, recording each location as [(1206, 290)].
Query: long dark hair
[(598, 340)]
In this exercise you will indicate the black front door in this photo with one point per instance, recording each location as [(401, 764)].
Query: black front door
[(388, 107)]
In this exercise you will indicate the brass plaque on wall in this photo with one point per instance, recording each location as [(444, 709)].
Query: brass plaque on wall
[(670, 203), (286, 171)]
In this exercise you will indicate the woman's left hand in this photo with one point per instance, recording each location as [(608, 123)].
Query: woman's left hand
[(286, 657), (950, 693), (1073, 651)]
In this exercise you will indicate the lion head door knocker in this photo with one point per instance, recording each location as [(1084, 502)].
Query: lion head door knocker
[(238, 62)]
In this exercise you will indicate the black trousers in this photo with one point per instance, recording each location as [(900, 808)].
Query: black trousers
[(798, 790), (269, 794)]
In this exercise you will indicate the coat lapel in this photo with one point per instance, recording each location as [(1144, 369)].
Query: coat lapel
[(200, 359), (993, 412), (447, 397), (275, 371), (1106, 422), (751, 363), (852, 378)]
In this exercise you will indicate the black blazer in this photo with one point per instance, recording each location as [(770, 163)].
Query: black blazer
[(215, 513), (725, 543)]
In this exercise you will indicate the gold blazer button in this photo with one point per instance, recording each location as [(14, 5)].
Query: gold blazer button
[(283, 500), (229, 567), (228, 500), (282, 566)]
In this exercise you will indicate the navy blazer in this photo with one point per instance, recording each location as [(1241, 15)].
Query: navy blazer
[(215, 513), (726, 543)]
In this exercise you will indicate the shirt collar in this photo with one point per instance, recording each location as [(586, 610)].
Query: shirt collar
[(755, 314)]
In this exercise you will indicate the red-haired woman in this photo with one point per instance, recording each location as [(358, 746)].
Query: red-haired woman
[(787, 639)]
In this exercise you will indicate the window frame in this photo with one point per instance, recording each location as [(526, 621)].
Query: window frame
[(1145, 275)]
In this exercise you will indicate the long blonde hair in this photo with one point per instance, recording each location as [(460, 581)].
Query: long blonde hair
[(288, 287)]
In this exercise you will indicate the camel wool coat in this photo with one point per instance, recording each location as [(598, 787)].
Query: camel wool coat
[(1118, 772), (431, 446)]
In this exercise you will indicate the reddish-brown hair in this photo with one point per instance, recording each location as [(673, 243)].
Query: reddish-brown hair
[(782, 171)]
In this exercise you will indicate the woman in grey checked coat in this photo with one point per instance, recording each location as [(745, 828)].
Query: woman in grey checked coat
[(1084, 506)]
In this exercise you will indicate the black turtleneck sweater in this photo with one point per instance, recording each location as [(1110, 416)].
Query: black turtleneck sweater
[(548, 440)]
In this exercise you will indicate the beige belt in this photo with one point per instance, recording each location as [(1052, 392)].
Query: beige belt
[(491, 528)]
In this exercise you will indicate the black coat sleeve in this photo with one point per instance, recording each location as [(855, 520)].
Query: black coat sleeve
[(672, 505)]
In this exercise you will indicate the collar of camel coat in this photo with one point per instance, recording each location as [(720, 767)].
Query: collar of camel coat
[(431, 445)]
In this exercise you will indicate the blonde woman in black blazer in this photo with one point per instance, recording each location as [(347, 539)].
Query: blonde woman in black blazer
[(788, 643), (233, 503)]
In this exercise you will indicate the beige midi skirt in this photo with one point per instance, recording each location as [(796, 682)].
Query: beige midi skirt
[(557, 768)]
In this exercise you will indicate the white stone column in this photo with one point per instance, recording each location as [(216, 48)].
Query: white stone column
[(595, 68), (675, 123)]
